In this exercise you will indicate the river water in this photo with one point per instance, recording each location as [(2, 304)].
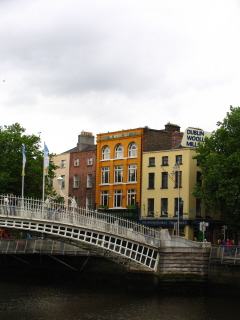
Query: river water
[(32, 299)]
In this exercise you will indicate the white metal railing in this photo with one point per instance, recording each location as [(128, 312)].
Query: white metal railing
[(46, 246), (225, 254), (29, 208)]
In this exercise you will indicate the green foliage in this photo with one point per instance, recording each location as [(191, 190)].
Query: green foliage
[(131, 207), (11, 139), (219, 159)]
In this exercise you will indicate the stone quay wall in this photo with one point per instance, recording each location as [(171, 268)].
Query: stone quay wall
[(183, 264)]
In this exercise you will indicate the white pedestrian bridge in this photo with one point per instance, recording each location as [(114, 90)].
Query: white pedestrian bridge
[(120, 240)]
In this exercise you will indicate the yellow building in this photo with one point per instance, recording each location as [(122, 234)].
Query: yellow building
[(62, 161), (167, 188)]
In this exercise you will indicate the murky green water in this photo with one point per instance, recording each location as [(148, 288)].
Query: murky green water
[(44, 300)]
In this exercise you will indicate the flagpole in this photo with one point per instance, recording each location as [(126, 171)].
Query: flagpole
[(43, 193), (23, 170), (45, 168), (22, 186)]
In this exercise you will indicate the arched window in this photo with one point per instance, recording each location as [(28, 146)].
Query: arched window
[(105, 153), (119, 151), (132, 150)]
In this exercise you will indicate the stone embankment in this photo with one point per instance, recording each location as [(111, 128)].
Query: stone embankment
[(182, 259)]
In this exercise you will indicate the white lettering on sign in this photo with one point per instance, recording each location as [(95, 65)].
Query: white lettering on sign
[(120, 135)]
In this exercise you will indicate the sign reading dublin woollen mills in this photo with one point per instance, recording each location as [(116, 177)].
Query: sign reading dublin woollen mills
[(192, 136)]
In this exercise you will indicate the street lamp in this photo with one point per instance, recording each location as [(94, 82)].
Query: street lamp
[(60, 180), (176, 167)]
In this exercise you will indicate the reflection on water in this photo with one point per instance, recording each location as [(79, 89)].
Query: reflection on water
[(23, 300)]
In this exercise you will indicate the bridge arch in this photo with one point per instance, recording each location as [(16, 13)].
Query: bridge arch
[(119, 240)]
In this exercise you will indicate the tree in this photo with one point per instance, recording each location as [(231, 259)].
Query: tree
[(11, 139), (219, 159)]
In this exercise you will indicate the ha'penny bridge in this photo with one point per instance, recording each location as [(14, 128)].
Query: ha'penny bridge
[(122, 241)]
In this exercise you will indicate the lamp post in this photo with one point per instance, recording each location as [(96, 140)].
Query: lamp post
[(60, 180), (176, 167)]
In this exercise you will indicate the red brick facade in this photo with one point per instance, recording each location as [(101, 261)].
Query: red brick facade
[(85, 167)]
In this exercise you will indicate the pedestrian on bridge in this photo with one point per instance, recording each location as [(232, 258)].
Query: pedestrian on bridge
[(6, 206), (12, 205)]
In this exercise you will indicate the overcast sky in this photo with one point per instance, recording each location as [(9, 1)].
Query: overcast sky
[(108, 65)]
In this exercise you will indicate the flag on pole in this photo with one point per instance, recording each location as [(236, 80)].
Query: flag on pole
[(46, 160), (24, 160)]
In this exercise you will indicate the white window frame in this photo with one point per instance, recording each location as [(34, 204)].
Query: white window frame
[(104, 198), (118, 174), (90, 161), (88, 203), (76, 162), (105, 153), (63, 182), (131, 197), (76, 181), (119, 151), (89, 180), (117, 198), (132, 173), (105, 175), (63, 163), (132, 150)]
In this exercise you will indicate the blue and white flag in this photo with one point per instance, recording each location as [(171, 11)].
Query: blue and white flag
[(24, 160), (46, 160)]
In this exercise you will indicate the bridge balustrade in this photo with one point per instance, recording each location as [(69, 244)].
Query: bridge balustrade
[(34, 209), (225, 254)]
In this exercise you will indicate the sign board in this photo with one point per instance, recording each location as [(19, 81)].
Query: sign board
[(193, 136), (122, 135), (163, 222)]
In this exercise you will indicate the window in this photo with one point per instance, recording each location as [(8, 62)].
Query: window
[(164, 207), (198, 208), (132, 173), (131, 197), (176, 207), (90, 161), (179, 159), (118, 174), (89, 180), (164, 180), (76, 162), (132, 150), (89, 203), (117, 198), (105, 175), (119, 151), (104, 198), (76, 200), (150, 208), (63, 163), (151, 180), (76, 181), (165, 161), (152, 162), (178, 177), (105, 153), (63, 182)]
